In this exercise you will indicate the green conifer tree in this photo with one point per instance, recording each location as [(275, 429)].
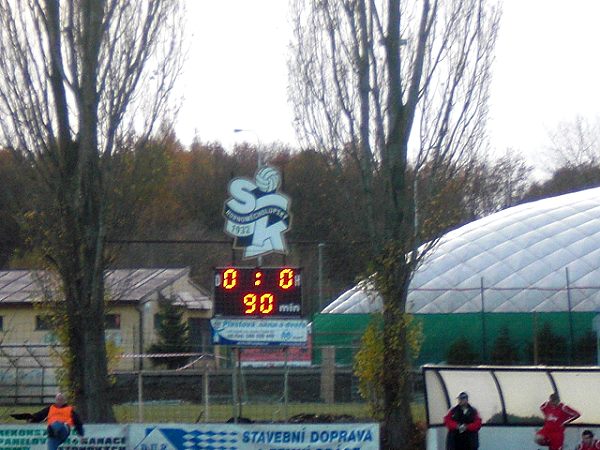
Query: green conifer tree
[(504, 350), (552, 347), (461, 352), (173, 335), (586, 352)]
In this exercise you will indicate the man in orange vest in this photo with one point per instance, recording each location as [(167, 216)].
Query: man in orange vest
[(60, 416)]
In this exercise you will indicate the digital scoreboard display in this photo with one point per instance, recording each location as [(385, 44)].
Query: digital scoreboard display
[(258, 292)]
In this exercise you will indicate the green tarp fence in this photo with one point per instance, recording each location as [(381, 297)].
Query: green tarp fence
[(440, 331)]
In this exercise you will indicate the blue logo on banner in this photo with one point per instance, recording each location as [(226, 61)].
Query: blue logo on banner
[(179, 439)]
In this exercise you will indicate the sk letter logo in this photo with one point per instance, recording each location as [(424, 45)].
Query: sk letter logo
[(257, 215)]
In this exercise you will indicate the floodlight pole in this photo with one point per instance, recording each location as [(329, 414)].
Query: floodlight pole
[(259, 164), (320, 259)]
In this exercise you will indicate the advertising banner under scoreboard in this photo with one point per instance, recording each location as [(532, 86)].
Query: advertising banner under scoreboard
[(259, 332), (277, 356), (175, 436)]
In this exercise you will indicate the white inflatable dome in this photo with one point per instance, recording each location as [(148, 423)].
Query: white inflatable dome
[(540, 256)]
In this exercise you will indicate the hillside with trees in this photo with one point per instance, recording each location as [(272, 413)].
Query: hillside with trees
[(169, 193)]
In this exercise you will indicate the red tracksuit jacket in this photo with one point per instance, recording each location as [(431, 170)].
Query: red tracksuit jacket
[(557, 416), (594, 445)]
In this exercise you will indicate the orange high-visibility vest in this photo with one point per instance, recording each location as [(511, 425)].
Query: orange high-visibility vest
[(64, 415)]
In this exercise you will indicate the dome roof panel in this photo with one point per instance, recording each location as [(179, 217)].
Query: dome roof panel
[(522, 258), (520, 253), (591, 260), (543, 248), (510, 301), (569, 237)]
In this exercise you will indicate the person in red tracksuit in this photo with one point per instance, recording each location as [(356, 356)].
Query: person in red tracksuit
[(588, 442), (556, 416), (463, 424)]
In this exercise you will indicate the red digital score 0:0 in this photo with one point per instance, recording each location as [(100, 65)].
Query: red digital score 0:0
[(258, 292)]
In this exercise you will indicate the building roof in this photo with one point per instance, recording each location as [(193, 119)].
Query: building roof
[(124, 285), (538, 256)]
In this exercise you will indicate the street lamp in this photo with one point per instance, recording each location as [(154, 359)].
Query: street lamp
[(245, 130), (259, 163)]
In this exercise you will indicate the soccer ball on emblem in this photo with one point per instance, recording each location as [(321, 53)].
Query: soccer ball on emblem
[(267, 179)]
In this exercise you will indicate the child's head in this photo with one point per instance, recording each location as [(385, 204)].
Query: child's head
[(587, 436)]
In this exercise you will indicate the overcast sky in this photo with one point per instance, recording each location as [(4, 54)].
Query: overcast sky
[(546, 71), (236, 74)]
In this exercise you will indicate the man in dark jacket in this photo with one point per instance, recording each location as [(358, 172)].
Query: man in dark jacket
[(60, 416), (463, 423)]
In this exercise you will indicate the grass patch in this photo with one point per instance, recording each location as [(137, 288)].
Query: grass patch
[(185, 412), (271, 412)]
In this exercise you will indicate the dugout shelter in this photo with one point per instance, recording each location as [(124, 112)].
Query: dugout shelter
[(508, 399)]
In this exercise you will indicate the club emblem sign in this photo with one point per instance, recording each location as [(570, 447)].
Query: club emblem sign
[(256, 214)]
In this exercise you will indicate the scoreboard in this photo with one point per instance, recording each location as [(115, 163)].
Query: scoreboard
[(258, 292)]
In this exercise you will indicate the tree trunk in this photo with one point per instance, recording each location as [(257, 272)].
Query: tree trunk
[(95, 381), (84, 297), (397, 424), (79, 66), (377, 89), (91, 364)]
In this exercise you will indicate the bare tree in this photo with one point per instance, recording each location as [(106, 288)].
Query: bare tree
[(79, 81), (497, 184), (573, 159), (576, 143), (396, 86)]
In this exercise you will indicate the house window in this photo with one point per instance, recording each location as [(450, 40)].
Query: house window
[(157, 320), (42, 323), (112, 321), (1, 323)]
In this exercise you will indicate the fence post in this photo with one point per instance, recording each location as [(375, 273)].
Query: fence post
[(237, 372), (140, 397), (596, 328), (286, 385), (570, 312), (17, 378), (483, 331), (205, 392), (43, 384), (536, 353), (328, 373)]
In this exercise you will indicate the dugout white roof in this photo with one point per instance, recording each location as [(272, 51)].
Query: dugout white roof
[(506, 395), (539, 256)]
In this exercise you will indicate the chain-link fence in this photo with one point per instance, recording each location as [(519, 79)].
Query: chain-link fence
[(28, 373), (228, 385), (209, 387)]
